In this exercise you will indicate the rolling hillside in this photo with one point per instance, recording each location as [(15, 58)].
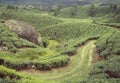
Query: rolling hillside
[(70, 50), (81, 12)]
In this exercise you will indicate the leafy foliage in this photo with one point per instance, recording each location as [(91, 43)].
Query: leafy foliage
[(11, 39), (36, 19), (5, 72), (70, 35), (69, 31), (108, 47)]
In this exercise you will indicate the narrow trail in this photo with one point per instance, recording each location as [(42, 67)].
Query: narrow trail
[(79, 66), (112, 26), (116, 28)]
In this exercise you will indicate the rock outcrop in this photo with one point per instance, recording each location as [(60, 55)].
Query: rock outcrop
[(23, 29)]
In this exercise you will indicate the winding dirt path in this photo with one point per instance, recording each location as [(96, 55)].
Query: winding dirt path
[(79, 66)]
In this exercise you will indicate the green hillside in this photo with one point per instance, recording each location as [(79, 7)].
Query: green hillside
[(65, 31), (12, 40), (76, 46), (81, 12), (105, 13), (108, 70), (38, 20)]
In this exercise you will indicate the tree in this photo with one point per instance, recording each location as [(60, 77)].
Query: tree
[(74, 10), (92, 11), (112, 8), (55, 13), (117, 18), (57, 10), (9, 7), (5, 15)]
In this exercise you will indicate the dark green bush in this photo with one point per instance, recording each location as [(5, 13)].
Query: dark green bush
[(40, 65), (109, 45), (18, 44), (14, 50), (1, 61), (5, 72)]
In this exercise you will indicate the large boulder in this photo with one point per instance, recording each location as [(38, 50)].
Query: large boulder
[(23, 29)]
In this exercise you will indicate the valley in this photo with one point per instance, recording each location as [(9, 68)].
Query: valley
[(76, 44)]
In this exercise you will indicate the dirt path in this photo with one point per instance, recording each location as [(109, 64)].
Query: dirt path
[(79, 66), (109, 25)]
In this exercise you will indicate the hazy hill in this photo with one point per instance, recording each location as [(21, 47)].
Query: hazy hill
[(44, 2), (56, 2), (107, 1)]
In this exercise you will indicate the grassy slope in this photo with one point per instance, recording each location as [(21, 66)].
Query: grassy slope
[(82, 31), (80, 62), (75, 30), (109, 70), (12, 40), (37, 19), (81, 12)]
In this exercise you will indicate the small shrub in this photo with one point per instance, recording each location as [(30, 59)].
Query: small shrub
[(5, 72), (18, 44), (14, 50)]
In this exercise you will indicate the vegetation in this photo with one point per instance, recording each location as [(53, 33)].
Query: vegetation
[(43, 59), (38, 20), (74, 12), (64, 32), (108, 47), (11, 40), (60, 48)]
